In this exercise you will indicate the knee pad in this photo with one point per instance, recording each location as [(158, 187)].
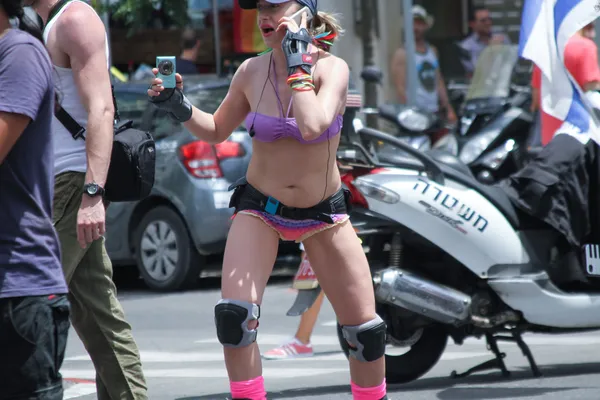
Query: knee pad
[(366, 341), (232, 318)]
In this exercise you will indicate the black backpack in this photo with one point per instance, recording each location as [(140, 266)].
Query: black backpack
[(132, 164)]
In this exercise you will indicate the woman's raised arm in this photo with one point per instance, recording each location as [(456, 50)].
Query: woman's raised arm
[(207, 127)]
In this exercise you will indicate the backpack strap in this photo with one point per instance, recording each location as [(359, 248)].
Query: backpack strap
[(69, 123)]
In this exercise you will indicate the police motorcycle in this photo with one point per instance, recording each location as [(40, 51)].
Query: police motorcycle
[(495, 121), (476, 260)]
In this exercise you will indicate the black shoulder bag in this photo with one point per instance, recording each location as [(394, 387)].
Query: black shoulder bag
[(132, 164)]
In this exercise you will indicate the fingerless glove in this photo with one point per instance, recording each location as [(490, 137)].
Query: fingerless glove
[(174, 102), (295, 48)]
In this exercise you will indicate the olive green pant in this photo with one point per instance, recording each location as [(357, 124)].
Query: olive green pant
[(96, 314)]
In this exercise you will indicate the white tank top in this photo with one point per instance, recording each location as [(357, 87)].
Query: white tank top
[(427, 84), (69, 154)]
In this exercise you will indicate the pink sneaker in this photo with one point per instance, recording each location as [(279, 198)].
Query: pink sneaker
[(290, 350)]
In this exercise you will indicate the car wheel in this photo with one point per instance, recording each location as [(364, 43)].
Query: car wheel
[(165, 255)]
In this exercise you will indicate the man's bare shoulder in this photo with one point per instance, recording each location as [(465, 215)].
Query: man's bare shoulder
[(80, 23)]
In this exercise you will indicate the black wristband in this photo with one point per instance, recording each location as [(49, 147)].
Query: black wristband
[(174, 102)]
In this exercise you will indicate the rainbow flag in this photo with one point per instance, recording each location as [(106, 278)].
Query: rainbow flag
[(246, 35)]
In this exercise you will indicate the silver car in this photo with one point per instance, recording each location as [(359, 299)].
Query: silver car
[(170, 234)]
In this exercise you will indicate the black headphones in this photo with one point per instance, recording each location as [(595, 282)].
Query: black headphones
[(251, 131)]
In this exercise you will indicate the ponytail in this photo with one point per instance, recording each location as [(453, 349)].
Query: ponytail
[(325, 28)]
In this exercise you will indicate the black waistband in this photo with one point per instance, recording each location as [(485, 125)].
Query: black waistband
[(247, 197)]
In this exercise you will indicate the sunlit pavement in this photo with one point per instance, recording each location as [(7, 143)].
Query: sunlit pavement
[(183, 360)]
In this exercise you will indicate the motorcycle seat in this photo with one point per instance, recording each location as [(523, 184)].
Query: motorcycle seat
[(456, 170)]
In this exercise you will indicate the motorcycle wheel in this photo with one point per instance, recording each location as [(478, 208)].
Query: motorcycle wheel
[(416, 362)]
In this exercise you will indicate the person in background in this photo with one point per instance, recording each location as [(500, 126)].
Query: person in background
[(34, 309), (186, 62), (300, 346), (432, 95), (76, 39), (480, 23), (581, 60)]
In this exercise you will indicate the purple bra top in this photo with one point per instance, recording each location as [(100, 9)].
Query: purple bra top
[(269, 129)]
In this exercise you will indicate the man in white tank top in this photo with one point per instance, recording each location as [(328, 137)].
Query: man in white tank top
[(432, 95), (77, 42)]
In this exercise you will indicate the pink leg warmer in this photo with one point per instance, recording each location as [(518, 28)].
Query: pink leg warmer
[(372, 393), (254, 389)]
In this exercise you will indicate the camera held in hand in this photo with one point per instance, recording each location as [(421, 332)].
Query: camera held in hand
[(166, 71)]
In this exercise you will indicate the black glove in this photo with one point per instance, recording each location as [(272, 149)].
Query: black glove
[(295, 48), (174, 102)]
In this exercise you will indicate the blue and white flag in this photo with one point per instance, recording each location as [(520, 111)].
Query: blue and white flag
[(546, 27)]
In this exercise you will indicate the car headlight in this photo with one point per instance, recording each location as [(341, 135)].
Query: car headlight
[(377, 192), (477, 145), (496, 157), (413, 120)]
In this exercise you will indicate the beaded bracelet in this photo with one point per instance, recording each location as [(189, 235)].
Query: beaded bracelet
[(303, 86), (301, 82), (299, 76)]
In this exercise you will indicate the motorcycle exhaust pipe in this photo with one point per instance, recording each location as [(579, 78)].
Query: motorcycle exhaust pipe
[(422, 296)]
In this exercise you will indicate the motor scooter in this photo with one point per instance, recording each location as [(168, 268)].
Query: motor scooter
[(467, 263)]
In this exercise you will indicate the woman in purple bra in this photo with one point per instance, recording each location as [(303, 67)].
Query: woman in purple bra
[(292, 100)]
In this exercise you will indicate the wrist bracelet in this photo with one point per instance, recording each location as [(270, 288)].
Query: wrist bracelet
[(303, 86), (299, 76)]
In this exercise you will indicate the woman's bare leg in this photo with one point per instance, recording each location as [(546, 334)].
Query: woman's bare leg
[(341, 266), (308, 320), (248, 261)]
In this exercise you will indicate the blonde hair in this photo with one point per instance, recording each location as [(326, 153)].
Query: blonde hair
[(325, 22)]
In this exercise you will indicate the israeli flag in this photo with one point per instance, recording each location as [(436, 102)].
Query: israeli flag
[(546, 26)]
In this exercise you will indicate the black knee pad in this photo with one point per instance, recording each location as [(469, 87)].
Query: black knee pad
[(232, 318), (367, 341)]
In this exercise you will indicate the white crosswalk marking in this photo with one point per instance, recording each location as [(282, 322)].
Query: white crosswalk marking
[(80, 389), (212, 372), (205, 359), (265, 339)]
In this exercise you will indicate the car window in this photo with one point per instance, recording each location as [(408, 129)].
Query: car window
[(131, 106), (163, 125), (207, 100)]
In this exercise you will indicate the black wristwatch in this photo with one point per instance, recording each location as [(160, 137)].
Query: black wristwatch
[(93, 189)]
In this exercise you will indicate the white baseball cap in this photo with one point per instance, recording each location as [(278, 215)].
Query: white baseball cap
[(420, 12)]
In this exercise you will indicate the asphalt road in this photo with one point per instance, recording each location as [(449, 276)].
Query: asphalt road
[(183, 360)]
